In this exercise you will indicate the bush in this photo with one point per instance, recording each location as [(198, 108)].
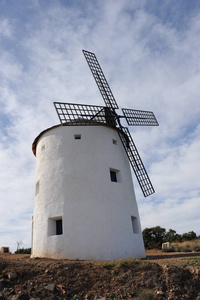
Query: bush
[(177, 248), (196, 248), (168, 250), (186, 248), (154, 237), (189, 236), (146, 295), (23, 251)]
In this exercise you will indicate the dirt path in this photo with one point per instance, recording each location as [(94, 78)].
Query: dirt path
[(183, 259)]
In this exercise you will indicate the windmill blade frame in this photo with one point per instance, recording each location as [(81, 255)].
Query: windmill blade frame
[(80, 114), (73, 114), (100, 80), (136, 162), (139, 117)]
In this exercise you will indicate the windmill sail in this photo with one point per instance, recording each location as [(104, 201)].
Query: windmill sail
[(80, 114), (100, 80), (92, 115), (136, 162), (140, 117)]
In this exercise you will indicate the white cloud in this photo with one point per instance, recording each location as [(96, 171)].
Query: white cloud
[(5, 28), (149, 64)]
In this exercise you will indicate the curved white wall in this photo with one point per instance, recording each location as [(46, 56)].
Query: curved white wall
[(73, 182)]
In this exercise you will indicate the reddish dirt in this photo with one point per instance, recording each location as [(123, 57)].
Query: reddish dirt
[(162, 275)]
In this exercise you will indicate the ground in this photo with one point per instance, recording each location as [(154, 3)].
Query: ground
[(159, 276)]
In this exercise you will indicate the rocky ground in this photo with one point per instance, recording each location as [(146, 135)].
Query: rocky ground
[(159, 276)]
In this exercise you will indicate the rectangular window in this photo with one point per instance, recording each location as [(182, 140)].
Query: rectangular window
[(77, 136), (55, 226), (113, 176), (59, 227), (114, 142), (37, 188), (134, 224)]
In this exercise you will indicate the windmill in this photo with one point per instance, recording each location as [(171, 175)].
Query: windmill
[(70, 114), (85, 205)]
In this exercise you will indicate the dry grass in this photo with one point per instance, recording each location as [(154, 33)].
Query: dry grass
[(187, 246)]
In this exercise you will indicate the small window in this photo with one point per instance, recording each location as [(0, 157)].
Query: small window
[(59, 227), (43, 147), (134, 224), (37, 188), (113, 176), (77, 136), (114, 142), (55, 226)]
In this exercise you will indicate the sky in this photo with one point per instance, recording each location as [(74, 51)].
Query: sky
[(149, 53)]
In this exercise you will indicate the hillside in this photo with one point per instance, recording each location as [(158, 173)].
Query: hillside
[(161, 276)]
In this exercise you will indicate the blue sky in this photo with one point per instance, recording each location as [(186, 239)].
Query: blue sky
[(149, 52)]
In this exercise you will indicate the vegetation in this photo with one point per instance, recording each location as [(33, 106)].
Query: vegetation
[(146, 295), (23, 251), (124, 263), (155, 236), (191, 235), (187, 246), (191, 258)]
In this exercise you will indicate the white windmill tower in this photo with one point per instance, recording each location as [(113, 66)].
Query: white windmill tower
[(85, 205)]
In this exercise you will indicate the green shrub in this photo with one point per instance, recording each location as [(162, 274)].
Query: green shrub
[(23, 251)]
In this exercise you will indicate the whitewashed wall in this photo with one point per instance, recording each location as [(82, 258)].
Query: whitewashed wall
[(73, 183)]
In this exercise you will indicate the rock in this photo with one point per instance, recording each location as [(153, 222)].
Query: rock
[(50, 287), (14, 297), (12, 275), (192, 270), (160, 293), (165, 267), (197, 271)]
